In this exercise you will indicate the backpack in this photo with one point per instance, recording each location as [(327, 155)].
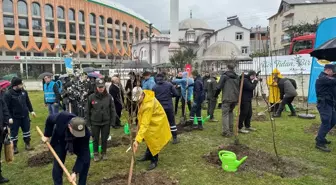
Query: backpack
[(293, 82), (60, 86)]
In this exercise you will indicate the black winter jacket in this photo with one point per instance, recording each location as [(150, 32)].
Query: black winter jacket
[(56, 128), (18, 103), (211, 87), (4, 113), (101, 109), (116, 93), (248, 88), (164, 92), (325, 88), (199, 92)]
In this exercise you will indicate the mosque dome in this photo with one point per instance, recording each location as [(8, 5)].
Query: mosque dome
[(224, 50), (193, 23)]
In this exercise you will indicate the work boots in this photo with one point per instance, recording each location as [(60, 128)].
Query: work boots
[(28, 147), (15, 149), (96, 157), (293, 114), (3, 180), (104, 157), (323, 148), (152, 166)]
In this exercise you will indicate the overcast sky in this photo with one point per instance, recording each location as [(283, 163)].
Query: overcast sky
[(214, 12)]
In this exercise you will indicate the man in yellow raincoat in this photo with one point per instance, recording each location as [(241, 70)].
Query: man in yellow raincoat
[(274, 91), (153, 127)]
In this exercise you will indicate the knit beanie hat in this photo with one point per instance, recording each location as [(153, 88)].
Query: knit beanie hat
[(16, 81)]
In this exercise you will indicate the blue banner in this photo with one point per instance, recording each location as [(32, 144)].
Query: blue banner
[(325, 31), (68, 65)]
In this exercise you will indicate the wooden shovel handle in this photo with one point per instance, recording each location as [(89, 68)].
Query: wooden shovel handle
[(56, 156), (239, 102)]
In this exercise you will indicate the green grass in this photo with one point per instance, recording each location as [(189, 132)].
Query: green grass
[(184, 161)]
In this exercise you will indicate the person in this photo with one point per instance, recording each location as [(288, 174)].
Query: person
[(324, 87), (108, 84), (153, 128), (91, 85), (229, 84), (205, 78), (136, 92), (4, 121), (250, 83), (19, 106), (196, 109), (148, 82), (115, 92), (274, 91), (101, 116), (178, 88), (287, 95), (68, 133), (164, 93), (130, 84), (187, 89), (51, 95), (210, 86)]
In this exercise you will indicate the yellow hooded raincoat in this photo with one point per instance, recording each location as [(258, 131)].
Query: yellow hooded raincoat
[(153, 124), (274, 94)]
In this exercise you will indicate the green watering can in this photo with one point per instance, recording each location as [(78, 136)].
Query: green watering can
[(203, 120), (126, 129), (229, 161), (91, 149)]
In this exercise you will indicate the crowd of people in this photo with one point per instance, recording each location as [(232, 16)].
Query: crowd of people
[(91, 106)]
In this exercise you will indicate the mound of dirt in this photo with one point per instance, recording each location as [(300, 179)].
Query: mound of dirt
[(181, 129), (259, 162), (147, 178), (119, 141), (313, 129), (40, 159), (260, 118)]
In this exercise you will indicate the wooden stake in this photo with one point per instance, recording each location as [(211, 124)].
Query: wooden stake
[(56, 157), (239, 104)]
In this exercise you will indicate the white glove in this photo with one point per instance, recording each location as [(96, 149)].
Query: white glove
[(33, 114), (10, 121)]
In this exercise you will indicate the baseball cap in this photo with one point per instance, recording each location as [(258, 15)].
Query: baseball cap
[(329, 66), (100, 83), (78, 126)]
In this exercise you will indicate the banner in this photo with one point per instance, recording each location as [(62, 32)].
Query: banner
[(287, 64), (325, 32), (68, 66)]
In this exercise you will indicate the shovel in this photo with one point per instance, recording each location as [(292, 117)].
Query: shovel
[(268, 108)]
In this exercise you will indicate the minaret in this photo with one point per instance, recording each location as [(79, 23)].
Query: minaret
[(174, 26)]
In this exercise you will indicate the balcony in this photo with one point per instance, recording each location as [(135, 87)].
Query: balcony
[(286, 24)]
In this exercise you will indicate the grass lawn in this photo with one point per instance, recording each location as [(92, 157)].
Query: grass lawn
[(184, 161)]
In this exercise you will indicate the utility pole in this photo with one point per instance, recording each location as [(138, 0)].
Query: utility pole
[(150, 42)]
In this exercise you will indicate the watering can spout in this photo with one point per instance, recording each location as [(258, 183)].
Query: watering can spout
[(241, 161)]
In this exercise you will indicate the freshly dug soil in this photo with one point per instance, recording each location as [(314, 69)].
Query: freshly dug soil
[(146, 178), (42, 156), (313, 129), (181, 129), (259, 162), (261, 118)]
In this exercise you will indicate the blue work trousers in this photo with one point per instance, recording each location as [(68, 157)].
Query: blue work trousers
[(328, 121)]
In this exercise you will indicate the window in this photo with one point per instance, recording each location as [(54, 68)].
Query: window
[(71, 14), (22, 7), (275, 28), (23, 23), (274, 41), (48, 11), (37, 24), (92, 18), (109, 33), (61, 26), (7, 6), (239, 36), (252, 35), (101, 32), (36, 11), (244, 49), (50, 26), (117, 35), (81, 29), (93, 31), (263, 34), (109, 21), (124, 35), (8, 22), (81, 16), (72, 28), (60, 12), (101, 21), (302, 44)]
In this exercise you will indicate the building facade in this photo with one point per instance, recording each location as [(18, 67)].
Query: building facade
[(259, 40), (92, 31), (294, 12)]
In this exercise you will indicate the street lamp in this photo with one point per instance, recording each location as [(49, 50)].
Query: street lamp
[(59, 46)]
